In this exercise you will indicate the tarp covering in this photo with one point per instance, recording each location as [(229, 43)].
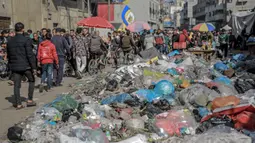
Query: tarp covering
[(239, 20)]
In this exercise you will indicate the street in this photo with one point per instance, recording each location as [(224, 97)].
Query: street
[(9, 115)]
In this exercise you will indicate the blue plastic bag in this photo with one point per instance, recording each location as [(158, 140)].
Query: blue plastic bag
[(118, 98), (223, 80), (164, 87), (239, 57), (173, 53), (203, 111), (146, 94), (219, 66), (170, 98), (172, 71)]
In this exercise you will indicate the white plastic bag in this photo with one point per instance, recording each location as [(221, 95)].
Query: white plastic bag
[(136, 139)]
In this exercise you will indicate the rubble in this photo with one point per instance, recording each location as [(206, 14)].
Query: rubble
[(180, 98)]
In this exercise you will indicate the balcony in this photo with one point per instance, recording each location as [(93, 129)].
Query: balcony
[(217, 17)]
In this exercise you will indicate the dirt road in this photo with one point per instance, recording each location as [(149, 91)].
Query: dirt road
[(9, 115)]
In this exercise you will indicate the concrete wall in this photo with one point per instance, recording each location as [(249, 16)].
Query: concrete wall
[(34, 14)]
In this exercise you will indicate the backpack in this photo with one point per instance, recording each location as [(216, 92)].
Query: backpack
[(126, 42), (159, 40)]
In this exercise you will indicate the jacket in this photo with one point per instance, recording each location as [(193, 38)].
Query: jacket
[(127, 42), (149, 41), (47, 53), (79, 46), (97, 44), (20, 54), (61, 45)]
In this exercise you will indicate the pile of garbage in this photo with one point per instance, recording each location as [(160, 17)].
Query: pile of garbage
[(179, 98)]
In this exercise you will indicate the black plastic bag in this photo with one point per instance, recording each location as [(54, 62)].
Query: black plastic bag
[(162, 104), (14, 134), (112, 85), (150, 110), (68, 113), (244, 85)]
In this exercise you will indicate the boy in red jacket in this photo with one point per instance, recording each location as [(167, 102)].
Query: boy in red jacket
[(46, 56)]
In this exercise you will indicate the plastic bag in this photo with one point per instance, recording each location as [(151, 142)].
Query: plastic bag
[(196, 94), (239, 57), (135, 139), (164, 87), (49, 113), (173, 53), (219, 66), (223, 80), (172, 71), (146, 94), (62, 103), (112, 85), (219, 135), (225, 101), (135, 124), (186, 62), (15, 133), (226, 90), (90, 136), (118, 98), (176, 122)]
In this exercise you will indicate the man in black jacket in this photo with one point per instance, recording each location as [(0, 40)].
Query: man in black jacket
[(22, 62), (63, 50)]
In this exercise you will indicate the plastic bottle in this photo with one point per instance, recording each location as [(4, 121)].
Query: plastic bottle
[(108, 135)]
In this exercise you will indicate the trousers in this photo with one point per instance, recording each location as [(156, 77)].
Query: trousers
[(47, 71), (59, 73), (81, 63), (17, 77)]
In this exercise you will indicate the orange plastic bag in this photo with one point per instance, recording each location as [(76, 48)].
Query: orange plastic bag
[(225, 101)]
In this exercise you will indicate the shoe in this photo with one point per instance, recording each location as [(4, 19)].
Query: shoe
[(78, 75), (59, 85), (54, 84), (41, 88), (31, 104), (46, 88)]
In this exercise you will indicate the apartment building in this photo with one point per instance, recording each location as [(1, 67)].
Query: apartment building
[(219, 12), (36, 14), (146, 10), (187, 19)]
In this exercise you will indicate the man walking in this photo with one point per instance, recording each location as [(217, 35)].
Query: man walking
[(62, 48), (80, 51), (22, 62)]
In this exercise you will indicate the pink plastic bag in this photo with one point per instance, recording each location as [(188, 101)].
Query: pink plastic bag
[(172, 122)]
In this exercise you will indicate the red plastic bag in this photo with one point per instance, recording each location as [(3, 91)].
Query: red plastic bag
[(245, 120)]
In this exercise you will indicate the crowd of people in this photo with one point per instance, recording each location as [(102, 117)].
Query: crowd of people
[(45, 52)]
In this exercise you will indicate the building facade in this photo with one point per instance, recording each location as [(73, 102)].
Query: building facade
[(219, 12), (187, 19), (147, 11), (175, 11), (37, 14)]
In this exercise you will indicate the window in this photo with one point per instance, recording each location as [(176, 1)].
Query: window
[(241, 2)]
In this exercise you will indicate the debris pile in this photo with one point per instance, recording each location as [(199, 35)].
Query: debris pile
[(180, 98)]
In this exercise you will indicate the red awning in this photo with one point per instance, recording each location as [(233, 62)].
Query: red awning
[(97, 22)]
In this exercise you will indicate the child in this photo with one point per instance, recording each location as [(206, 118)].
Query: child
[(46, 56)]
